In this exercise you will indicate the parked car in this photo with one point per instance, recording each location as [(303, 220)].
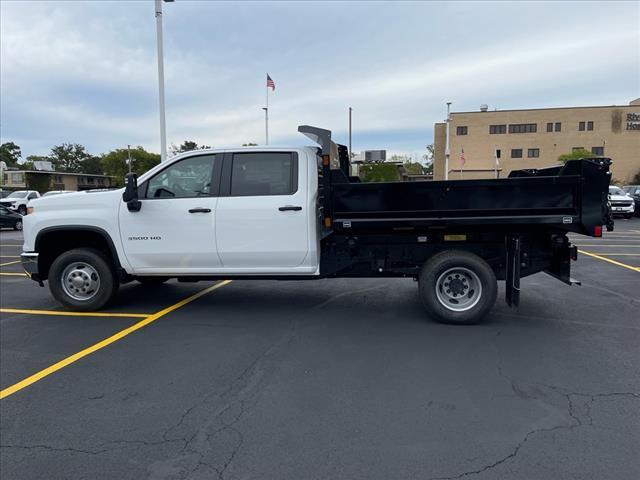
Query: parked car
[(17, 201), (4, 193), (56, 192), (621, 202), (634, 191), (9, 219)]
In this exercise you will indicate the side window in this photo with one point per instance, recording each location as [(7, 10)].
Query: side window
[(32, 196), (257, 174), (187, 178)]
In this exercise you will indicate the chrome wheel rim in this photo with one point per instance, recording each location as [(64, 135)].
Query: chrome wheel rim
[(458, 289), (18, 225), (80, 281)]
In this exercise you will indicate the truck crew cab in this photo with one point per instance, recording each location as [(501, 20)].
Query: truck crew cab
[(296, 213)]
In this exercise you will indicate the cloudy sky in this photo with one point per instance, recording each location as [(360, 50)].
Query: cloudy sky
[(86, 72)]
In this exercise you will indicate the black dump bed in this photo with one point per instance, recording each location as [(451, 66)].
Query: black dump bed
[(572, 197)]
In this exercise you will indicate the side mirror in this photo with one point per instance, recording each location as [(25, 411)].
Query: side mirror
[(130, 194)]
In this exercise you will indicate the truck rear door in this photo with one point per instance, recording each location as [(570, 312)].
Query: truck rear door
[(262, 216)]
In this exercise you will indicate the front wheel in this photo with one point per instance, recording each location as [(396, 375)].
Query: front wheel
[(22, 210), (457, 287), (17, 225), (82, 279)]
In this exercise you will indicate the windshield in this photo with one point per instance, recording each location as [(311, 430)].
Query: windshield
[(19, 194), (616, 191)]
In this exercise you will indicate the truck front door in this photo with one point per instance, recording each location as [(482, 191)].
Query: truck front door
[(174, 231), (262, 219)]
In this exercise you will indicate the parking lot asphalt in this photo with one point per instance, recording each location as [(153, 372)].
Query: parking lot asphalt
[(328, 379)]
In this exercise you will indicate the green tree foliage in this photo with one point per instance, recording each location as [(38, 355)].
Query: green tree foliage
[(575, 155), (92, 165), (250, 144), (68, 157), (187, 146), (379, 172), (413, 168), (10, 153), (38, 181), (635, 180), (114, 163)]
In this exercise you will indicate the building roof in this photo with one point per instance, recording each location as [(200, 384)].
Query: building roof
[(632, 103)]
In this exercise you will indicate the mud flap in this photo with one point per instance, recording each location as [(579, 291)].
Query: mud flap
[(560, 264), (512, 278)]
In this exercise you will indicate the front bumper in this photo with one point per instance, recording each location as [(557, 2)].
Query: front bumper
[(30, 265), (622, 209)]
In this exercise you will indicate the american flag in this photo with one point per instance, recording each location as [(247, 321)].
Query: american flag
[(462, 159), (270, 83)]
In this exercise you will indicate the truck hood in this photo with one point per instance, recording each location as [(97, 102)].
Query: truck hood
[(620, 198), (70, 200)]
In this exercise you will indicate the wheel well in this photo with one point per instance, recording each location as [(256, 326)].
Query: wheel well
[(50, 244)]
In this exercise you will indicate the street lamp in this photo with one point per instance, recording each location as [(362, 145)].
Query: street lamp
[(163, 126), (447, 150)]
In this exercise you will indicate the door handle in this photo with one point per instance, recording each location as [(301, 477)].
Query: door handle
[(199, 210), (290, 207)]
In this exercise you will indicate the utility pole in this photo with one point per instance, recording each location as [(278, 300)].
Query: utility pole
[(266, 121), (129, 157), (163, 126), (447, 151), (350, 151)]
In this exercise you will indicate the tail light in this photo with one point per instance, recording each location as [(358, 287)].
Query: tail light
[(597, 231)]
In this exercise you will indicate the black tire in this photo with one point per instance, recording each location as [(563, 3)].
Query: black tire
[(152, 281), (22, 210), (461, 265), (93, 259), (17, 225)]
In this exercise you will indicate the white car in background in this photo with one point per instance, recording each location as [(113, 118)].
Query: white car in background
[(17, 201), (621, 202)]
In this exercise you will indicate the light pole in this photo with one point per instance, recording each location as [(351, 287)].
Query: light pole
[(266, 122), (163, 126), (447, 150), (350, 153)]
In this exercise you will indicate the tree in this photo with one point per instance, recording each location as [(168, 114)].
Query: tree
[(10, 153), (114, 163), (187, 146), (379, 172), (92, 165), (575, 155), (413, 168), (68, 157), (428, 157), (250, 144)]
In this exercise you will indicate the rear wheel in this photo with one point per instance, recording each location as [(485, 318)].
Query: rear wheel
[(457, 287), (82, 279)]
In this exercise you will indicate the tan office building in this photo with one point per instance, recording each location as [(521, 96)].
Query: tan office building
[(536, 138)]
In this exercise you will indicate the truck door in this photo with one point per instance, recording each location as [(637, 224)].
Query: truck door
[(174, 231), (262, 215)]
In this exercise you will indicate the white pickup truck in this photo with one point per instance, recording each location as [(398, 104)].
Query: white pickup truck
[(296, 213)]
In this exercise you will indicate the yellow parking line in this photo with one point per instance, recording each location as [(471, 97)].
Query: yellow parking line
[(14, 274), (9, 256), (619, 254), (7, 245), (595, 245), (73, 314), (9, 263), (107, 341), (620, 264)]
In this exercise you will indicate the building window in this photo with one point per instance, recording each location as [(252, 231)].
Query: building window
[(533, 153), (589, 126), (516, 153), (598, 151), (497, 129), (558, 126), (581, 126), (461, 130), (550, 127), (523, 128), (576, 149), (17, 178)]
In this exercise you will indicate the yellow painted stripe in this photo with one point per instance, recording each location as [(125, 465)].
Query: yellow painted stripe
[(14, 274), (9, 263), (620, 264), (595, 245), (104, 343), (9, 256), (73, 314), (619, 254), (6, 245)]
